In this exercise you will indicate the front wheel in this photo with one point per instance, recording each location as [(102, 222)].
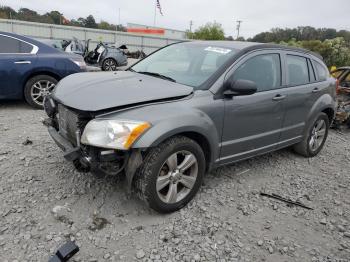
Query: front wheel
[(37, 88), (315, 138), (171, 174)]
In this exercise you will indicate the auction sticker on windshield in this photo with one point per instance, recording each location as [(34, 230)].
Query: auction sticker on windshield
[(218, 50)]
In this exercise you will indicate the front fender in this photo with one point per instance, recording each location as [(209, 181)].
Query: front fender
[(196, 122)]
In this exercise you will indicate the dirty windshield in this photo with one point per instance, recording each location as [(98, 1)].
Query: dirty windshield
[(188, 64)]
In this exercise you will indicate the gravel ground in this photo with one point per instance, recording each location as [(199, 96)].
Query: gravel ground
[(45, 202)]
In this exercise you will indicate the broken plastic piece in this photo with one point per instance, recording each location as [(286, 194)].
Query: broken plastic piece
[(65, 252)]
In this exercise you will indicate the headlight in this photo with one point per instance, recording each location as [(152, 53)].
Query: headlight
[(115, 134), (81, 64)]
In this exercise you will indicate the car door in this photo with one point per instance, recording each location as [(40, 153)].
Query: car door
[(252, 124), (17, 59), (302, 90)]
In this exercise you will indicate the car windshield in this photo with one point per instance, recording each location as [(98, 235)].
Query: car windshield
[(185, 63)]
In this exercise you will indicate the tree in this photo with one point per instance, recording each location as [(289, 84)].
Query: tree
[(104, 25), (90, 22), (210, 31), (7, 12), (301, 33), (56, 17), (335, 52)]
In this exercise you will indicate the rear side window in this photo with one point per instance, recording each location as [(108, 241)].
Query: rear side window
[(13, 46), (264, 70), (311, 71), (321, 71), (298, 70)]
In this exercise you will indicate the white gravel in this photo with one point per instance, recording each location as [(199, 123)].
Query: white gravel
[(44, 202)]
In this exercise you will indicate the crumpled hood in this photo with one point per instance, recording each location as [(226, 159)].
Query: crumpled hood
[(104, 90)]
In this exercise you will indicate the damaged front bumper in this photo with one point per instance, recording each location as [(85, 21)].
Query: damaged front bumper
[(100, 161), (71, 153)]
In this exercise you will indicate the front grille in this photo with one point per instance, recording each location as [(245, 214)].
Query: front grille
[(68, 122)]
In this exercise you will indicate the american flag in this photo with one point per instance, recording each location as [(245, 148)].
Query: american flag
[(159, 7)]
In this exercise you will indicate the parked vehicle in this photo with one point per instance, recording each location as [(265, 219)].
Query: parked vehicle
[(343, 75), (53, 43), (30, 69), (76, 46), (107, 57), (343, 111), (191, 107), (139, 54)]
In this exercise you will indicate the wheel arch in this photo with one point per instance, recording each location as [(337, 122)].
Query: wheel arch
[(204, 140), (37, 73), (325, 104), (330, 112)]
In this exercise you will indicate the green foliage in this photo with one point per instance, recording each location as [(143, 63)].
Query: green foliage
[(55, 17), (90, 22), (335, 52), (210, 31), (300, 33)]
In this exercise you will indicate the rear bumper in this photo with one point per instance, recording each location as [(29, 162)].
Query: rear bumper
[(71, 153)]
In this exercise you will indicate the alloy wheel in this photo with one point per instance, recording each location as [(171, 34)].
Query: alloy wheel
[(317, 135), (110, 65), (40, 90), (177, 177)]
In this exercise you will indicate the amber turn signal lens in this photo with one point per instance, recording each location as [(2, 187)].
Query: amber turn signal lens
[(135, 134)]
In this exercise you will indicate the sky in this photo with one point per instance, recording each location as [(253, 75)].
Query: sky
[(257, 15)]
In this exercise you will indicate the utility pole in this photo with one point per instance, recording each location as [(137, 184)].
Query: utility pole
[(239, 22), (119, 17), (191, 24), (155, 13)]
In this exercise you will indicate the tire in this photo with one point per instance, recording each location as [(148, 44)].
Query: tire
[(152, 170), (305, 147), (109, 65), (37, 88)]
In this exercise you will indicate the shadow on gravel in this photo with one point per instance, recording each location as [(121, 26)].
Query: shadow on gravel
[(14, 104)]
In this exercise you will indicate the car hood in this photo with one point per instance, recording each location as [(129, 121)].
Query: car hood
[(104, 90)]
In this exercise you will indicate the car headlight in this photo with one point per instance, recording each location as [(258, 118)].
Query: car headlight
[(114, 134), (81, 64)]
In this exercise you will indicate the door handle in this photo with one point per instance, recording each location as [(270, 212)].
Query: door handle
[(316, 90), (23, 62), (279, 97)]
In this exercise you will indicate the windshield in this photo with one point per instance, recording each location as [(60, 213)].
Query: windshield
[(188, 64)]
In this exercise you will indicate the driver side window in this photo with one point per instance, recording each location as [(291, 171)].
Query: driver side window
[(264, 70)]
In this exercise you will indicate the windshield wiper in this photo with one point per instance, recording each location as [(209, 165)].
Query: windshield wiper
[(158, 75)]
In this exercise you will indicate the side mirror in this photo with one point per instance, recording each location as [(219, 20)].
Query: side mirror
[(240, 87)]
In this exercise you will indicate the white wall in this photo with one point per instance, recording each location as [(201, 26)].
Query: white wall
[(38, 30)]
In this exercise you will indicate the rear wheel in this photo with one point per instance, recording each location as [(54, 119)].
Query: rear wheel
[(315, 137), (171, 174), (37, 88), (109, 65)]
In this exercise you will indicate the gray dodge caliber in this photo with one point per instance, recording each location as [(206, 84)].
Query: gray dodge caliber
[(188, 108)]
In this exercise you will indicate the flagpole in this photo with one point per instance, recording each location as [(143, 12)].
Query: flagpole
[(155, 13)]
